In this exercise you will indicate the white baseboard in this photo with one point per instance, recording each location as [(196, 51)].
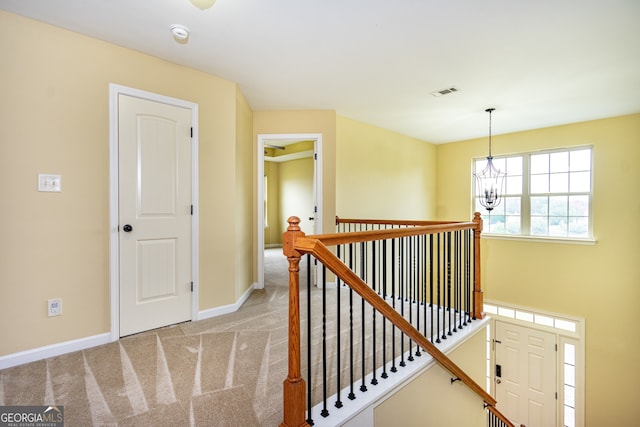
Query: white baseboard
[(52, 350), (226, 309), (58, 349)]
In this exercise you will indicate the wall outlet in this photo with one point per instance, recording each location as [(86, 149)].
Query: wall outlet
[(54, 307)]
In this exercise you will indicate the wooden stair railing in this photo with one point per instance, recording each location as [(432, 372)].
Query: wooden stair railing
[(296, 243)]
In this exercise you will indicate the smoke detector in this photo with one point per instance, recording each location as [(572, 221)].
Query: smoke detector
[(180, 33)]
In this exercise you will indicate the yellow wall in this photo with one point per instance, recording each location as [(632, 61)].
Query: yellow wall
[(244, 197), (311, 121), (55, 119), (382, 174), (600, 283), (296, 193), (431, 399), (273, 233)]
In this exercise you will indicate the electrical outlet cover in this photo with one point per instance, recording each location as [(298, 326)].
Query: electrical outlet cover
[(54, 307)]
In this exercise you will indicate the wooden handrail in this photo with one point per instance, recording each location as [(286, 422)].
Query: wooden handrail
[(326, 257), (408, 222), (296, 243), (333, 239)]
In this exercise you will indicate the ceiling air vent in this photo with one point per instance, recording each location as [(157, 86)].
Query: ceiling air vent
[(446, 91)]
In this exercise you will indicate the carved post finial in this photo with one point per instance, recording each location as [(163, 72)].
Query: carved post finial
[(294, 223)]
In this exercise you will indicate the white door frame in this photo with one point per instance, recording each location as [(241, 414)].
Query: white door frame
[(114, 251), (558, 324), (317, 187)]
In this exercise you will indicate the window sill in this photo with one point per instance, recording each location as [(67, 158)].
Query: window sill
[(567, 240)]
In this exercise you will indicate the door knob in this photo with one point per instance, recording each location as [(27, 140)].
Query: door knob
[(498, 380), (127, 228)]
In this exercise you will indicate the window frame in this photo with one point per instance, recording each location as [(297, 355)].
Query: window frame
[(526, 195)]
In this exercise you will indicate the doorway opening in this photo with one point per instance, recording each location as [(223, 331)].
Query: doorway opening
[(289, 183)]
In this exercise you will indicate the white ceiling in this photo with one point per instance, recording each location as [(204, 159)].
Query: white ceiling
[(539, 63)]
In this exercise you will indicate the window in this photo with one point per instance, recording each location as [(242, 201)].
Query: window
[(545, 194)]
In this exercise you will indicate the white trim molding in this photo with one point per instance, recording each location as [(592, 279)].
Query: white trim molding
[(317, 186), (53, 350), (229, 308)]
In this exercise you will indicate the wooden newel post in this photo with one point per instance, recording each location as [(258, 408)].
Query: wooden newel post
[(478, 299), (293, 388)]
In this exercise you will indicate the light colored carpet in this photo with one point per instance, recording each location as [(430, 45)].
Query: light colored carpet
[(224, 371)]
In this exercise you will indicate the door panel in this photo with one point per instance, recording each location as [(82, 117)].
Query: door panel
[(154, 156), (526, 389)]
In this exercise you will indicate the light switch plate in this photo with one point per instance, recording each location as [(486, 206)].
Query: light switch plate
[(50, 183)]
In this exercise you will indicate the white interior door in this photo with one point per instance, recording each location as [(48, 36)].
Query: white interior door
[(154, 156), (525, 385)]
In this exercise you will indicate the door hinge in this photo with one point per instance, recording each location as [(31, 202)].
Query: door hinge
[(191, 286), (315, 156), (191, 210), (556, 347), (556, 395), (192, 132)]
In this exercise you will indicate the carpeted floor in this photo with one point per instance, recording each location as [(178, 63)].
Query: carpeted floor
[(225, 371)]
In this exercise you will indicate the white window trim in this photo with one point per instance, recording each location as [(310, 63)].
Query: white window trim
[(544, 239), (576, 338), (525, 200)]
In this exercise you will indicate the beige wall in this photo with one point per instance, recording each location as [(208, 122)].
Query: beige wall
[(244, 197), (382, 174), (273, 233), (55, 119), (296, 193), (599, 282), (312, 121), (431, 399)]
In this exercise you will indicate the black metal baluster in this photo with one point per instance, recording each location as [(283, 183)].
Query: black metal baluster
[(309, 341), (438, 285), (338, 403), (351, 395), (431, 273), (419, 298), (325, 411), (467, 279), (384, 319), (374, 276), (393, 302), (455, 279), (363, 276), (448, 304), (410, 288), (402, 291), (460, 272)]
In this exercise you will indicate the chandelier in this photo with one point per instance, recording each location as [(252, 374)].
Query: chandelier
[(490, 181)]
